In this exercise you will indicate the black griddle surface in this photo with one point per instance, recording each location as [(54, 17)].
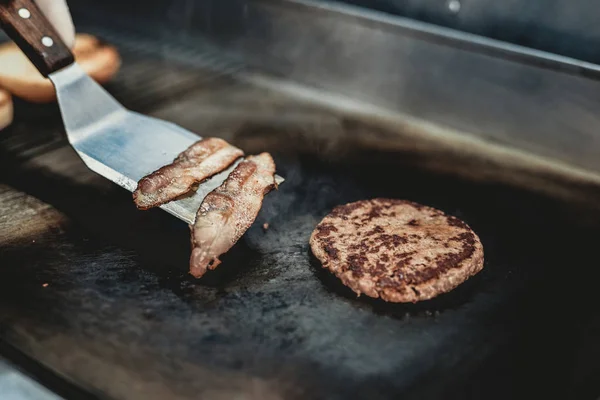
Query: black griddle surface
[(121, 317)]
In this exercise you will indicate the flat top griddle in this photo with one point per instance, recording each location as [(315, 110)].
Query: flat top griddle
[(121, 317)]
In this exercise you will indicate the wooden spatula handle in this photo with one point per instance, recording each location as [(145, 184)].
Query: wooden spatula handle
[(23, 21)]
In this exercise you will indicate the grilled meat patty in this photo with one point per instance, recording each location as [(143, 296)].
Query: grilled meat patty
[(229, 210), (203, 159), (396, 250)]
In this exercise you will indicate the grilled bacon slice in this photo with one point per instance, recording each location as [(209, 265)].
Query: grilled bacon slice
[(203, 159), (229, 210)]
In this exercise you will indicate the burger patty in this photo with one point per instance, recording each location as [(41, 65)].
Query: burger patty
[(396, 250)]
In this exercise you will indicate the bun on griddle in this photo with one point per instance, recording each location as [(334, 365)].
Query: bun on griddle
[(6, 109), (20, 77)]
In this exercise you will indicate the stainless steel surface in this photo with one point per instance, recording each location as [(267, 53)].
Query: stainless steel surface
[(122, 145), (460, 90), (563, 27)]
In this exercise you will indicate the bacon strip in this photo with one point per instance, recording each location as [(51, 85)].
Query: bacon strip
[(200, 161), (229, 210)]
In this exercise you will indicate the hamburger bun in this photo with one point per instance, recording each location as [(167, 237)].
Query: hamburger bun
[(6, 109), (20, 77)]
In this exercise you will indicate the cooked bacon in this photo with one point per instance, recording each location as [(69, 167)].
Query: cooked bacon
[(229, 210), (200, 161)]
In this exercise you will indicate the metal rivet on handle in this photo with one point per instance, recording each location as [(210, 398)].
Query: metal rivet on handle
[(24, 13), (454, 6), (47, 41)]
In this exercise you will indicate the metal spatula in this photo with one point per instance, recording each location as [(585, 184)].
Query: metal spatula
[(116, 143)]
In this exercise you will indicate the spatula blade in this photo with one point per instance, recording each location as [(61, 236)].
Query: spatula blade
[(121, 145)]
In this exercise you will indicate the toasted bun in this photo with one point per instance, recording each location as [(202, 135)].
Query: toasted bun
[(396, 250), (6, 109), (84, 43), (22, 79)]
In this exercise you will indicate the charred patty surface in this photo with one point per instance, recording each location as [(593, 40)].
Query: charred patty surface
[(397, 250)]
